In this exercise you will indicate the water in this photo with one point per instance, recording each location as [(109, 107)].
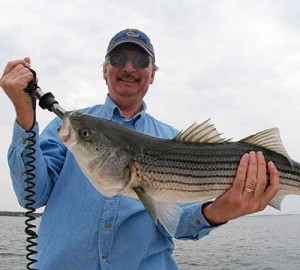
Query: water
[(256, 243), (12, 243), (249, 243)]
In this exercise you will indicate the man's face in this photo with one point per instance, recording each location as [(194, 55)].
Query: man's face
[(128, 84)]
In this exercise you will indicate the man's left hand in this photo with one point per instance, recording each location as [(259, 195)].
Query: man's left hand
[(249, 193)]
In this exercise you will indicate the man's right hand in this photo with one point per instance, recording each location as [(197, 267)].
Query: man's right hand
[(15, 78)]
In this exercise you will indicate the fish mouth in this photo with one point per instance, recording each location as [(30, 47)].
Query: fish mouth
[(64, 131)]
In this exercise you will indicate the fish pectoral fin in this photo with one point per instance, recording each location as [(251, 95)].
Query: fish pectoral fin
[(168, 214), (276, 201), (269, 139), (148, 202)]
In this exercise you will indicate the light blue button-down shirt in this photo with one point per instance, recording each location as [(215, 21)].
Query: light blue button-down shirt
[(80, 228)]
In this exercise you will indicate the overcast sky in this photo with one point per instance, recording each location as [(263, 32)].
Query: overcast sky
[(236, 62)]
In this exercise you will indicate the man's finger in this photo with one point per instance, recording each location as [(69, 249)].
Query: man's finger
[(27, 60), (274, 186), (261, 175), (239, 181), (251, 178), (12, 64)]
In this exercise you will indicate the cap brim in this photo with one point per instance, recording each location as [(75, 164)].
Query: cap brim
[(129, 41)]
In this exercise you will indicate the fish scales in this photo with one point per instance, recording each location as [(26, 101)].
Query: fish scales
[(196, 165), (199, 173), (194, 176)]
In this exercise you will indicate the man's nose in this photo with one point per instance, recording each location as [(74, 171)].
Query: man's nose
[(129, 65)]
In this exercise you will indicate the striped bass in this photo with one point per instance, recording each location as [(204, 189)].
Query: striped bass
[(196, 165)]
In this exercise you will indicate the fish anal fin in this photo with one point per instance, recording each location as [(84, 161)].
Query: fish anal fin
[(168, 214), (201, 133), (268, 139)]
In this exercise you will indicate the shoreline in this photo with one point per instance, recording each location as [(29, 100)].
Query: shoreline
[(17, 214)]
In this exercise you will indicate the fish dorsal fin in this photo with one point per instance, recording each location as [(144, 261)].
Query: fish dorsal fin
[(269, 139), (203, 133)]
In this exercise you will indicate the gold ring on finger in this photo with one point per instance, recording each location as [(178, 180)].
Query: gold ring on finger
[(249, 190)]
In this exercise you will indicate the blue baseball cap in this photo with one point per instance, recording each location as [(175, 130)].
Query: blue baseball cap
[(134, 36)]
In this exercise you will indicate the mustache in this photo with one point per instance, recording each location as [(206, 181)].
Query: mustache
[(128, 76)]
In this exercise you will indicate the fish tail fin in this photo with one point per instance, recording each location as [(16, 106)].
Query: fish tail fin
[(276, 201)]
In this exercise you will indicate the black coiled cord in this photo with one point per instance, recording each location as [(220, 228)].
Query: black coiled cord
[(29, 206), (30, 177)]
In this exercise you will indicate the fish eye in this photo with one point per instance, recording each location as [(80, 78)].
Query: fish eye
[(85, 133)]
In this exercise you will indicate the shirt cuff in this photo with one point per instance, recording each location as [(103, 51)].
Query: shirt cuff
[(19, 138), (193, 225), (200, 226)]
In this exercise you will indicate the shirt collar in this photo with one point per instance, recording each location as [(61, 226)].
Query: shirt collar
[(112, 109)]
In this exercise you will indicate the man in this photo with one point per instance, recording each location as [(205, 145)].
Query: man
[(80, 228)]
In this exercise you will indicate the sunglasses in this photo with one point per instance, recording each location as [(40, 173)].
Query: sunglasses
[(138, 61)]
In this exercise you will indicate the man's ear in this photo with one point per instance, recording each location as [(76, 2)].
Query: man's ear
[(104, 70), (152, 76)]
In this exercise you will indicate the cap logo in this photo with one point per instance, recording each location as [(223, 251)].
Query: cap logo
[(132, 34)]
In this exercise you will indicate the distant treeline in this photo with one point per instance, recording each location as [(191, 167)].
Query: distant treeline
[(17, 214)]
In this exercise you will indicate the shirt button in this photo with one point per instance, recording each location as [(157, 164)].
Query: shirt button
[(107, 225), (198, 222), (23, 140), (104, 257)]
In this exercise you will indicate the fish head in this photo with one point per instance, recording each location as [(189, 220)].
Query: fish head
[(103, 161)]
